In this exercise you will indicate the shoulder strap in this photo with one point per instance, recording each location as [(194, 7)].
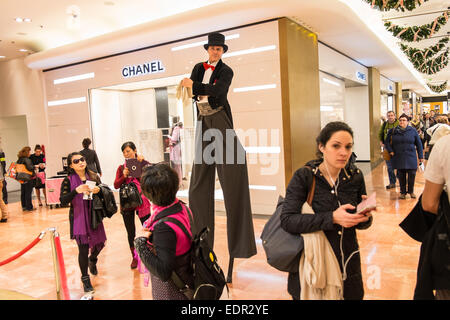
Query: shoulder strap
[(167, 212), (310, 197), (177, 222)]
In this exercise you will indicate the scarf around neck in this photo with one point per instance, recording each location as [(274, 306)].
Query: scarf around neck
[(82, 230)]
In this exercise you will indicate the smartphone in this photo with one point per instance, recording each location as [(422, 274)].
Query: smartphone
[(367, 205)]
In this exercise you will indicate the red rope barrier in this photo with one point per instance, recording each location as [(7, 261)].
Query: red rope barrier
[(17, 255), (62, 268)]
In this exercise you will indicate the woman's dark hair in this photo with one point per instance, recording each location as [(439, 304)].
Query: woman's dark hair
[(326, 133), (129, 144), (24, 152), (160, 184), (86, 143), (404, 115), (37, 147)]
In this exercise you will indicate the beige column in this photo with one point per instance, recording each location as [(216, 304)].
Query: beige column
[(299, 64), (374, 113), (398, 98)]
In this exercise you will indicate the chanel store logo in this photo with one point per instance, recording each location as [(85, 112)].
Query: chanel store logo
[(141, 69)]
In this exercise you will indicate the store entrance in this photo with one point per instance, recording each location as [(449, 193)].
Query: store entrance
[(149, 114)]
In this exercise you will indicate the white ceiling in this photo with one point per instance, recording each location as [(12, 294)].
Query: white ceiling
[(98, 24)]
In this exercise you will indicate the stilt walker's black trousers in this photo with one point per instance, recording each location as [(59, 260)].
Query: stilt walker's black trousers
[(233, 177)]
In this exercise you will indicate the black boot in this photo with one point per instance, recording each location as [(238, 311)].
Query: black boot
[(87, 284), (93, 266)]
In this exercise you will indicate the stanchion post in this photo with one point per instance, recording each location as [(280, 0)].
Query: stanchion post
[(55, 265)]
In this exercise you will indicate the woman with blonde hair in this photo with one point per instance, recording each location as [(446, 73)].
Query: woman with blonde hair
[(26, 188)]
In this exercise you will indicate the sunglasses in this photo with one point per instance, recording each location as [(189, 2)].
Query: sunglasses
[(75, 161)]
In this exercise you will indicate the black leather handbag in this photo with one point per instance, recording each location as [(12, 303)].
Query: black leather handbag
[(130, 197), (283, 249)]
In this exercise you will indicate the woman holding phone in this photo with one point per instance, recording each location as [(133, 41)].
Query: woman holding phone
[(339, 188), (123, 176), (73, 189)]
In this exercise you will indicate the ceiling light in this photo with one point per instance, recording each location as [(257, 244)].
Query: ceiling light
[(19, 20), (334, 83), (23, 50), (200, 43), (1, 57), (253, 88), (254, 50), (75, 78), (27, 20), (66, 101)]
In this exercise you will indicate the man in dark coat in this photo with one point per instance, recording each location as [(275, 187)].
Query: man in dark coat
[(210, 82)]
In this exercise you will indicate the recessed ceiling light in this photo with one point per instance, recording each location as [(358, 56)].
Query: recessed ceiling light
[(27, 20), (23, 50), (1, 57), (18, 19)]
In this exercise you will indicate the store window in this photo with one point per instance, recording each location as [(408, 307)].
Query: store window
[(390, 103), (332, 99), (149, 114)]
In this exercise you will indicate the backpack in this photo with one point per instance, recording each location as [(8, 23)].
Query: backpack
[(130, 197), (209, 279)]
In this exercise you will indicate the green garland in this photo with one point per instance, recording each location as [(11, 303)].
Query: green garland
[(434, 65), (386, 5), (416, 33), (438, 88), (418, 57)]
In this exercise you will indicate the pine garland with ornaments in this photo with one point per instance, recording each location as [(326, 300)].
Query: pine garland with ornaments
[(417, 33), (434, 65), (419, 56), (438, 88), (386, 5)]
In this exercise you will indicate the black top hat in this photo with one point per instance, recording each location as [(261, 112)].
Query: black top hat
[(216, 39)]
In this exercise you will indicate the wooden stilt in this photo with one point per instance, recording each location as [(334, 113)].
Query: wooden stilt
[(230, 270)]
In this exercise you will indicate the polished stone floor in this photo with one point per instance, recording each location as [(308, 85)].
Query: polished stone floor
[(389, 256)]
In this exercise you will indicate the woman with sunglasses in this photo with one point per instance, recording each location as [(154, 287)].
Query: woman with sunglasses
[(123, 176), (73, 188)]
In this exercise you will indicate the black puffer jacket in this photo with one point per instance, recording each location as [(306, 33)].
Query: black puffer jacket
[(350, 189)]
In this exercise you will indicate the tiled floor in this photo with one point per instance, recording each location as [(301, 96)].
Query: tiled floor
[(389, 256)]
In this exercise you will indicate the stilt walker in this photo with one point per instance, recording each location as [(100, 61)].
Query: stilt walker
[(210, 82)]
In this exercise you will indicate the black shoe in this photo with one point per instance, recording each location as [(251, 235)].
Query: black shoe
[(412, 195), (93, 266), (390, 186), (4, 220), (87, 286)]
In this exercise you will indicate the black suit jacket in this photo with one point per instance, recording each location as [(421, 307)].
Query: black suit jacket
[(216, 89)]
